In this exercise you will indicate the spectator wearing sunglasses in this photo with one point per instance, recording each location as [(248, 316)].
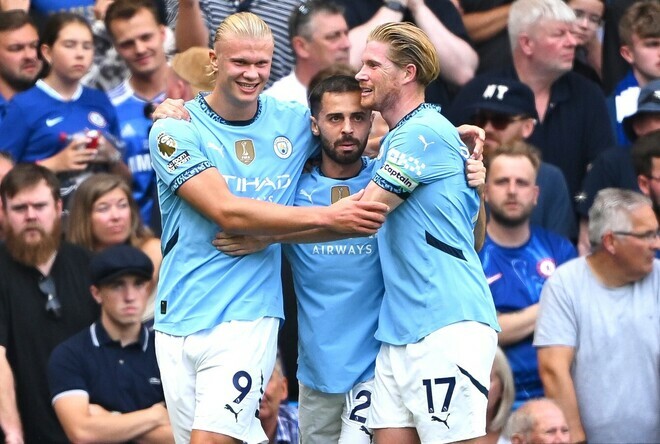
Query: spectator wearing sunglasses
[(110, 366), (573, 125), (44, 299), (505, 109)]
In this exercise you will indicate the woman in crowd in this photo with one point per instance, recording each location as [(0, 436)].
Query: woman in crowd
[(589, 53), (59, 123), (103, 213)]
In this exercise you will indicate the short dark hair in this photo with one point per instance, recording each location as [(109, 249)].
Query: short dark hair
[(300, 18), (27, 175), (15, 19), (332, 84), (643, 151), (127, 9)]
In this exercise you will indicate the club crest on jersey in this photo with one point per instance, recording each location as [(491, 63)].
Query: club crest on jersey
[(339, 192), (546, 267), (166, 145), (244, 149), (97, 119), (282, 147)]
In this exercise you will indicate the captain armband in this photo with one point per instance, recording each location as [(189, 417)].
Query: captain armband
[(391, 178)]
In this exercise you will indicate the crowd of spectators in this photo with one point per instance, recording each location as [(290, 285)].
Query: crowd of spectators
[(572, 149)]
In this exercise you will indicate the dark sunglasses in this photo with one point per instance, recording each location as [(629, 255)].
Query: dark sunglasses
[(53, 305), (498, 121)]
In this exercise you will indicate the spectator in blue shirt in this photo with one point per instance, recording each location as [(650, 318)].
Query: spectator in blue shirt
[(19, 62)]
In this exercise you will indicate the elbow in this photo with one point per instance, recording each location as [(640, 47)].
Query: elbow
[(466, 72), (231, 224), (80, 436)]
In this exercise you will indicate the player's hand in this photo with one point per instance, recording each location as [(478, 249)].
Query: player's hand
[(171, 108), (238, 244), (351, 216), (473, 137), (475, 172)]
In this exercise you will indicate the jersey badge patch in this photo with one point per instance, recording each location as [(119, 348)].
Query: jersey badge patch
[(178, 161), (282, 147), (97, 119), (166, 145), (244, 149), (339, 192), (546, 267)]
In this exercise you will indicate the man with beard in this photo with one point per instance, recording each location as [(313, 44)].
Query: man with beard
[(44, 299), (19, 63), (437, 321), (517, 258), (335, 364), (506, 110)]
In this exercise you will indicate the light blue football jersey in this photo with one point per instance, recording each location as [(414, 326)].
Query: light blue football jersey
[(339, 289), (200, 287), (432, 274), (135, 124)]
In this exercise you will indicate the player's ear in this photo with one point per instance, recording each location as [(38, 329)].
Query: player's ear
[(315, 126), (284, 394)]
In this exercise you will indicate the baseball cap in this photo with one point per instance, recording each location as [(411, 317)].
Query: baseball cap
[(193, 66), (501, 95), (648, 102), (117, 261)]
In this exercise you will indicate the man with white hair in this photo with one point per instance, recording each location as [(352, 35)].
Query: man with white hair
[(598, 333), (573, 125), (538, 421)]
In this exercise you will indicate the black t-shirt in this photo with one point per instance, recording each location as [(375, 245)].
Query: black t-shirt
[(30, 333)]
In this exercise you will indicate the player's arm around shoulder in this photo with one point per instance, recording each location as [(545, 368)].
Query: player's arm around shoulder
[(180, 162)]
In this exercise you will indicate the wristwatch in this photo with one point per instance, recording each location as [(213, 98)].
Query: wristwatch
[(395, 5)]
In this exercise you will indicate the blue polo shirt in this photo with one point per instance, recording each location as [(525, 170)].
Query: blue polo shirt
[(119, 379)]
